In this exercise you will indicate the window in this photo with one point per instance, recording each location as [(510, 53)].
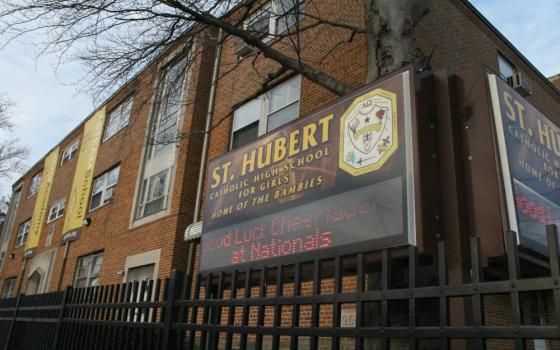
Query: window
[(9, 287), (88, 270), (23, 230), (56, 210), (154, 183), (50, 234), (9, 223), (104, 188), (288, 14), (275, 18), (35, 183), (154, 194), (70, 151), (140, 274), (33, 283), (169, 102), (259, 24), (267, 112), (507, 69), (118, 118)]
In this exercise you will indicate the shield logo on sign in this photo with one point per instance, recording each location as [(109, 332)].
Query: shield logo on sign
[(368, 132), (365, 129)]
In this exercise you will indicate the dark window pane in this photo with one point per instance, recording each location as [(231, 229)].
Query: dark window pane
[(507, 69), (96, 200), (283, 116), (259, 24), (153, 206), (245, 135)]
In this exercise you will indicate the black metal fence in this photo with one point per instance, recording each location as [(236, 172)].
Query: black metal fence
[(378, 300)]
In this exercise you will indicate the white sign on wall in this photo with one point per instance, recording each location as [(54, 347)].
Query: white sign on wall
[(348, 317)]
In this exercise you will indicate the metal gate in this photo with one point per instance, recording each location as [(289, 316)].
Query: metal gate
[(391, 299)]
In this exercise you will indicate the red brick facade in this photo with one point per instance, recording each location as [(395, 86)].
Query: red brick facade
[(555, 80), (458, 37), (111, 229)]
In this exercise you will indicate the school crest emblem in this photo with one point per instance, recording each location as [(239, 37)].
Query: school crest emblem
[(368, 132)]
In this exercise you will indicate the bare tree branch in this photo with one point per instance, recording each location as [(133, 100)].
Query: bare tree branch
[(5, 105), (12, 155), (115, 39)]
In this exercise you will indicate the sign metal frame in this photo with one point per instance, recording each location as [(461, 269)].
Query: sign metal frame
[(409, 179)]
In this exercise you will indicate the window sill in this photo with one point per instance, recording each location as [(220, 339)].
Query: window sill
[(115, 134), (101, 206), (67, 161), (150, 218), (53, 220)]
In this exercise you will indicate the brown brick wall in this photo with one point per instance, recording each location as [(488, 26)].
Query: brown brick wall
[(459, 40), (555, 80), (110, 230)]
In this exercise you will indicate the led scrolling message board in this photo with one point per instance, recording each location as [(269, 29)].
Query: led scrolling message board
[(342, 178), (529, 149)]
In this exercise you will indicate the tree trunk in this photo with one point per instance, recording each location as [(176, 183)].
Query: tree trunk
[(390, 33)]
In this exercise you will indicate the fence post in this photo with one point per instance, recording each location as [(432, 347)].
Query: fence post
[(56, 337), (175, 282), (12, 324)]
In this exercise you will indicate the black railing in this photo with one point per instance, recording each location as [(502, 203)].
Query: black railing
[(381, 300)]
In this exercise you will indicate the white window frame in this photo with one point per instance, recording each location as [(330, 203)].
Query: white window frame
[(8, 226), (273, 7), (146, 193), (160, 107), (12, 285), (50, 234), (277, 14), (265, 111), (70, 152), (120, 115), (22, 234), (106, 189), (503, 61), (139, 260), (9, 222), (35, 184), (90, 276), (58, 208), (271, 23), (157, 160)]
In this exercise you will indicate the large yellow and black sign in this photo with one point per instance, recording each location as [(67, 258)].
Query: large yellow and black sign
[(81, 186), (41, 203), (338, 178)]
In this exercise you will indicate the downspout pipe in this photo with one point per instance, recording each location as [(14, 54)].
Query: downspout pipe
[(204, 154), (63, 268), (207, 128)]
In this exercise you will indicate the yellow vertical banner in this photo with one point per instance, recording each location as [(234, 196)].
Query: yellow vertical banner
[(83, 177), (41, 204)]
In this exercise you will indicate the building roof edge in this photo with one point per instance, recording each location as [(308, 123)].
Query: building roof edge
[(495, 30)]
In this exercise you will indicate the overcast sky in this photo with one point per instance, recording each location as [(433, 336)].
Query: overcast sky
[(49, 105)]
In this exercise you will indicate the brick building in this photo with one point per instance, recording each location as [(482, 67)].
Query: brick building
[(142, 227), (555, 79), (143, 196)]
